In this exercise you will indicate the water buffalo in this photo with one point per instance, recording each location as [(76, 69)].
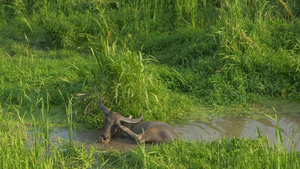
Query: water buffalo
[(143, 132)]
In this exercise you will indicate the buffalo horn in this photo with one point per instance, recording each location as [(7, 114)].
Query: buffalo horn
[(128, 120), (102, 107)]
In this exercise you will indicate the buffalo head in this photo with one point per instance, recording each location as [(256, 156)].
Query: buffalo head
[(113, 122)]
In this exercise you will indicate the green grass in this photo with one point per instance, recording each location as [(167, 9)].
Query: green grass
[(28, 145), (224, 153), (219, 53), (161, 58)]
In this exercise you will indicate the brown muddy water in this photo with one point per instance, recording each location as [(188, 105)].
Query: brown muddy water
[(242, 127)]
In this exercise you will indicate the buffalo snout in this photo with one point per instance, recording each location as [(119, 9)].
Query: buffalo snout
[(104, 138)]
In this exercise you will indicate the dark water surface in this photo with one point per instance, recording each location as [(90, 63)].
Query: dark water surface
[(242, 127)]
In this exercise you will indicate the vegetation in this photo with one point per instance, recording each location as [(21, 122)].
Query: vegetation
[(225, 153), (159, 58), (28, 145)]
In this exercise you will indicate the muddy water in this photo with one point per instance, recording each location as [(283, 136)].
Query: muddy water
[(244, 128), (91, 137), (196, 130)]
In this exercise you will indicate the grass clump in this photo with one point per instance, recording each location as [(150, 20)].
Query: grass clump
[(129, 83)]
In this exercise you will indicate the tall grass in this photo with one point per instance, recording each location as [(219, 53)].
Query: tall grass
[(286, 156), (26, 143), (160, 52), (236, 51), (130, 79)]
